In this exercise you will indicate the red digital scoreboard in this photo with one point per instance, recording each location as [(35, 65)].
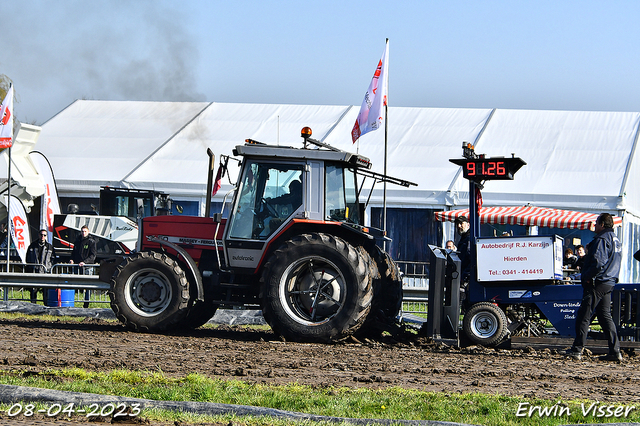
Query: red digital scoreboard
[(481, 169)]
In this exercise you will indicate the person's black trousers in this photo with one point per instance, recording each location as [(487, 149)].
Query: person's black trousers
[(596, 299)]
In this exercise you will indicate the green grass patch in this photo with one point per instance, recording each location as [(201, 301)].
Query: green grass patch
[(389, 403), (415, 308), (97, 299), (44, 317)]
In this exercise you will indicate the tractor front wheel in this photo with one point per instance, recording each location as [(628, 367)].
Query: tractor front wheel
[(149, 292)]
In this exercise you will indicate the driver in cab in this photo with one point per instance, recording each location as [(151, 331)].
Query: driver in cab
[(283, 206)]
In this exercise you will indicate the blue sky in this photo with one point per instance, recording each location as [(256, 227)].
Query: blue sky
[(551, 55)]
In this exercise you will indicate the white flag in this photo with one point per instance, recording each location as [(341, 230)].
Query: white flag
[(6, 120), (20, 235), (50, 202), (371, 113)]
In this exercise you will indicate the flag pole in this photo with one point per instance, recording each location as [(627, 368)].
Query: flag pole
[(5, 293), (369, 117), (384, 189), (9, 210)]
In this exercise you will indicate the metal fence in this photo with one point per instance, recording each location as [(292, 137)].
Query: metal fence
[(19, 281), (58, 268), (415, 286), (80, 284)]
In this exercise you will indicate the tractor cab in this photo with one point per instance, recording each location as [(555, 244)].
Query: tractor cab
[(269, 193), (283, 187), (272, 192)]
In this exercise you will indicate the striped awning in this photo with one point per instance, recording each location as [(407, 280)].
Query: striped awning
[(529, 216)]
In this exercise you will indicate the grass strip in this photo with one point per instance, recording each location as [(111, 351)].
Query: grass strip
[(389, 403)]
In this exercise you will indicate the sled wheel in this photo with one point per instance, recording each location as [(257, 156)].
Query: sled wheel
[(317, 289), (485, 324), (149, 292)]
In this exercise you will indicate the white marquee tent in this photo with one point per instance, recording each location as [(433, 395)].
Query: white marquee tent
[(577, 160)]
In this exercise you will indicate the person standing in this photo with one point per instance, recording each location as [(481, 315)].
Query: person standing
[(84, 253), (464, 254), (40, 257), (598, 276), (84, 249), (464, 248)]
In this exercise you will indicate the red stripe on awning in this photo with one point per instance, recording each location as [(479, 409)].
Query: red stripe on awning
[(529, 216)]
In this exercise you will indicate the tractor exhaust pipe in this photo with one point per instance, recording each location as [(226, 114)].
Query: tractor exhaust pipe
[(207, 206)]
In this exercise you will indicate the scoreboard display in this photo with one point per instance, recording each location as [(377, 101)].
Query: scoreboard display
[(481, 169)]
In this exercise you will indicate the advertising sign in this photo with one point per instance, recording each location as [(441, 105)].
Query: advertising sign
[(519, 258), (50, 203), (20, 236)]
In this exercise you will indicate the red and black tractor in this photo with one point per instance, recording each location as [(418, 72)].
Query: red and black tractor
[(294, 245)]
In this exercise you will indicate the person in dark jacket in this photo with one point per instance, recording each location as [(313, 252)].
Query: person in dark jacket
[(84, 253), (84, 249), (464, 254), (598, 276), (464, 247), (580, 253), (40, 258)]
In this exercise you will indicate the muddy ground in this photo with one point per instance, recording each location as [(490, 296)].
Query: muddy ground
[(238, 352)]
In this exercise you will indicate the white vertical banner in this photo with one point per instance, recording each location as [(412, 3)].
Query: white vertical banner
[(50, 203), (20, 235)]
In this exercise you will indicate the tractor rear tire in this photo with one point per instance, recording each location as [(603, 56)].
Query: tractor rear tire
[(149, 292), (387, 295), (389, 302), (317, 288), (485, 324)]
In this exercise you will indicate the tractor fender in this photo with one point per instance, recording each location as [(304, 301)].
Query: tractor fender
[(189, 261)]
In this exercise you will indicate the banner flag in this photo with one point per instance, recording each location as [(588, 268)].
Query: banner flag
[(20, 236), (50, 202), (370, 116), (6, 120), (218, 183), (478, 201)]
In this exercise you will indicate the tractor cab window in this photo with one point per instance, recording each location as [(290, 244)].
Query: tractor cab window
[(341, 195), (269, 194), (113, 204)]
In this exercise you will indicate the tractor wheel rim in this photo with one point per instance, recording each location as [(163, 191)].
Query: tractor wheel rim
[(148, 292), (312, 290)]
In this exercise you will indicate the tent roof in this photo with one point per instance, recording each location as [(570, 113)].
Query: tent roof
[(575, 159), (529, 216), (581, 155)]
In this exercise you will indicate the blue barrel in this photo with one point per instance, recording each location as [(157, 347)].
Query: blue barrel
[(60, 298)]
